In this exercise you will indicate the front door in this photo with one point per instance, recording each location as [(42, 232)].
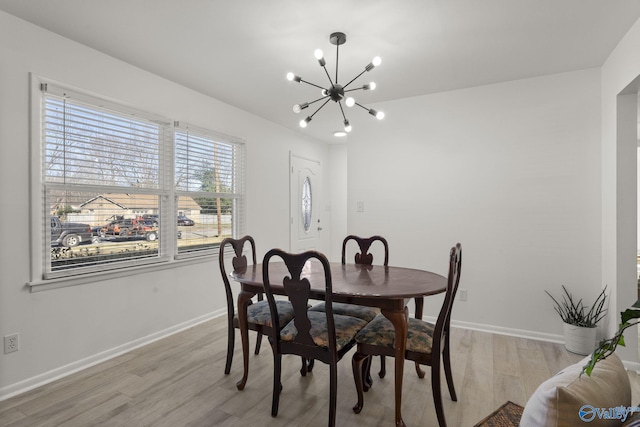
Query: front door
[(305, 200)]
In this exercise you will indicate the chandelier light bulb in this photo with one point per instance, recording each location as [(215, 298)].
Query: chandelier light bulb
[(299, 107), (305, 122), (347, 126), (320, 57), (350, 102), (324, 92), (377, 114), (373, 64), (370, 86), (292, 77)]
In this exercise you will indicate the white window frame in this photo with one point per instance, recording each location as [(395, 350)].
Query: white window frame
[(168, 255)]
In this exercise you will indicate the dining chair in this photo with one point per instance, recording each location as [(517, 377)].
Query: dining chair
[(427, 343), (362, 312), (314, 335), (258, 314)]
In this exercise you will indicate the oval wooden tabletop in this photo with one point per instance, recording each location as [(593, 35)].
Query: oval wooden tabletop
[(355, 280)]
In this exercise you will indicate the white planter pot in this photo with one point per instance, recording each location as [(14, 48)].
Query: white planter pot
[(579, 340)]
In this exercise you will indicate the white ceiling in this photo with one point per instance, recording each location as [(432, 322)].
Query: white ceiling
[(240, 51)]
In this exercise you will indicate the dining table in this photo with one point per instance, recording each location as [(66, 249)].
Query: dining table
[(387, 287)]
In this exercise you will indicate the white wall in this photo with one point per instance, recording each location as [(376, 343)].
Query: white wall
[(512, 171), (61, 330), (338, 182), (620, 85)]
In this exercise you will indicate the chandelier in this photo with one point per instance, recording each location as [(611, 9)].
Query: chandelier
[(336, 92)]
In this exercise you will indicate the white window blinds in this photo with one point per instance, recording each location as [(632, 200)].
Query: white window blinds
[(209, 171), (89, 145)]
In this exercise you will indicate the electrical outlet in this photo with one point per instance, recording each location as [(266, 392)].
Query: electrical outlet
[(11, 343), (463, 294)]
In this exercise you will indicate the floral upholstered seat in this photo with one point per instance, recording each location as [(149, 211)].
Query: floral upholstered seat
[(259, 313), (359, 311), (380, 332), (346, 328)]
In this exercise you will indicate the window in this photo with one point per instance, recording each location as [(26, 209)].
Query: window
[(122, 188), (208, 184)]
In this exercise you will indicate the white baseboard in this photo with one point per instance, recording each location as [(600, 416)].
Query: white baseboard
[(521, 333), (632, 366), (79, 365)]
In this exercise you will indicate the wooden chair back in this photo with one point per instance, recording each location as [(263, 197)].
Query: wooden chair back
[(239, 263), (364, 243), (444, 317)]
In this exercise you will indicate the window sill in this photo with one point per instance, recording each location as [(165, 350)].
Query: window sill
[(63, 282)]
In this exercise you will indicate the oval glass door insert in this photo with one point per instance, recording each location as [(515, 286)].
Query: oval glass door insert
[(306, 204)]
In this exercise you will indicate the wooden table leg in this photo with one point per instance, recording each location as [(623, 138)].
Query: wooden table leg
[(399, 321), (243, 300)]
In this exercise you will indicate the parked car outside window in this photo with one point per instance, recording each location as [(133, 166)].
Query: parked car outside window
[(183, 220)]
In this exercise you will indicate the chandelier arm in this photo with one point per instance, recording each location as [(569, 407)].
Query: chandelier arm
[(311, 84), (342, 110), (362, 106), (316, 100), (320, 107), (328, 76), (354, 79), (351, 90)]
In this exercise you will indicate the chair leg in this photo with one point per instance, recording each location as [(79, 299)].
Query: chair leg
[(258, 342), (447, 371), (437, 394), (367, 381), (231, 337), (243, 299), (419, 371), (356, 365), (277, 385), (383, 367), (304, 369), (333, 392), (259, 339)]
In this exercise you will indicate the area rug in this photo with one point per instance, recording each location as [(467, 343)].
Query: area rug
[(507, 415)]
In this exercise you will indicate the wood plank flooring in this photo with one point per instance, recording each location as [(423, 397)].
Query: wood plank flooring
[(180, 381)]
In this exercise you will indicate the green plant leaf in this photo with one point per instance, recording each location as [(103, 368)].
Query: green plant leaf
[(629, 314)]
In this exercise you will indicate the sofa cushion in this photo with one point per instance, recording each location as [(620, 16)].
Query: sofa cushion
[(568, 399)]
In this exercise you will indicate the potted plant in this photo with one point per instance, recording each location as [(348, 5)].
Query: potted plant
[(608, 346), (580, 322)]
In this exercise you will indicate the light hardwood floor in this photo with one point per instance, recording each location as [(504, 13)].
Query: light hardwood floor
[(179, 381)]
